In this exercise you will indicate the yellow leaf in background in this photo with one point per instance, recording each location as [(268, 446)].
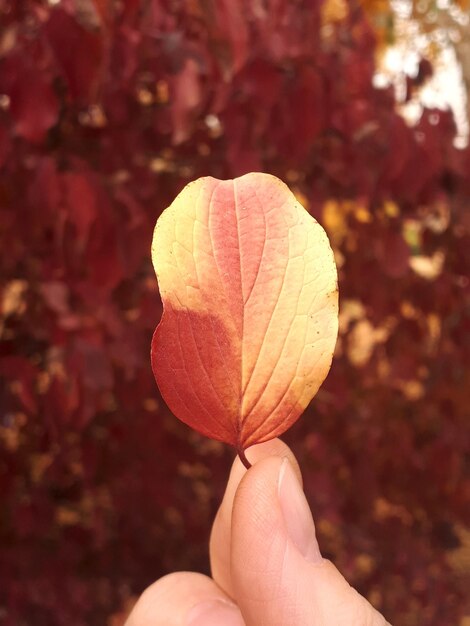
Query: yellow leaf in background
[(436, 217), (333, 11), (409, 311), (13, 298), (334, 220), (384, 509), (364, 564), (362, 340), (428, 267), (39, 464), (350, 310), (391, 209), (301, 198), (339, 257), (412, 389), (363, 215), (66, 516), (459, 558), (412, 234), (10, 436), (376, 6), (381, 17), (434, 328)]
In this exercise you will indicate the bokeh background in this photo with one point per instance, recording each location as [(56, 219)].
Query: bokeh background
[(107, 109)]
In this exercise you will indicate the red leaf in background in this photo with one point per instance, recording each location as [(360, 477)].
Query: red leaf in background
[(5, 143), (61, 401), (306, 105), (124, 60), (249, 287), (20, 372), (399, 146), (186, 97), (34, 106), (133, 228), (130, 10), (78, 53), (262, 81), (393, 253), (358, 72), (81, 202), (46, 185), (104, 259), (228, 34), (89, 358), (56, 296), (103, 9), (240, 154), (300, 113)]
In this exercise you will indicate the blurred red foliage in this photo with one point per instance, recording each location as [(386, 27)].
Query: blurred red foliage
[(107, 110)]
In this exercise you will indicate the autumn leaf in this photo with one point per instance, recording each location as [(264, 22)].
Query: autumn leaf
[(249, 288)]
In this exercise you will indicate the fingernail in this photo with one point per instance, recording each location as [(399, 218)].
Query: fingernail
[(296, 513), (215, 613)]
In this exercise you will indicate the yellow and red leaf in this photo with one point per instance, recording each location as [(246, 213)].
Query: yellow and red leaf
[(249, 289)]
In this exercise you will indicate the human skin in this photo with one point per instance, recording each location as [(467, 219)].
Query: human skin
[(267, 569)]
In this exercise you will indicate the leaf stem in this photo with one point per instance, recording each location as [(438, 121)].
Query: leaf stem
[(243, 459)]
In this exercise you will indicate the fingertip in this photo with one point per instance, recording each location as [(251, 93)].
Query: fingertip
[(257, 525), (258, 452), (278, 574), (214, 613), (298, 520), (184, 599), (220, 540)]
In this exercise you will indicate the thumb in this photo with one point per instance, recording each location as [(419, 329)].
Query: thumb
[(278, 573)]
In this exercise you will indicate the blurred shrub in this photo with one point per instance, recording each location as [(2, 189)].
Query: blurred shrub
[(106, 110)]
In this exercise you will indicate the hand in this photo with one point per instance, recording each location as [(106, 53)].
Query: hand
[(267, 569)]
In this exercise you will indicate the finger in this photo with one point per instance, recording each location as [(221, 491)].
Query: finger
[(184, 599), (219, 545), (278, 574)]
